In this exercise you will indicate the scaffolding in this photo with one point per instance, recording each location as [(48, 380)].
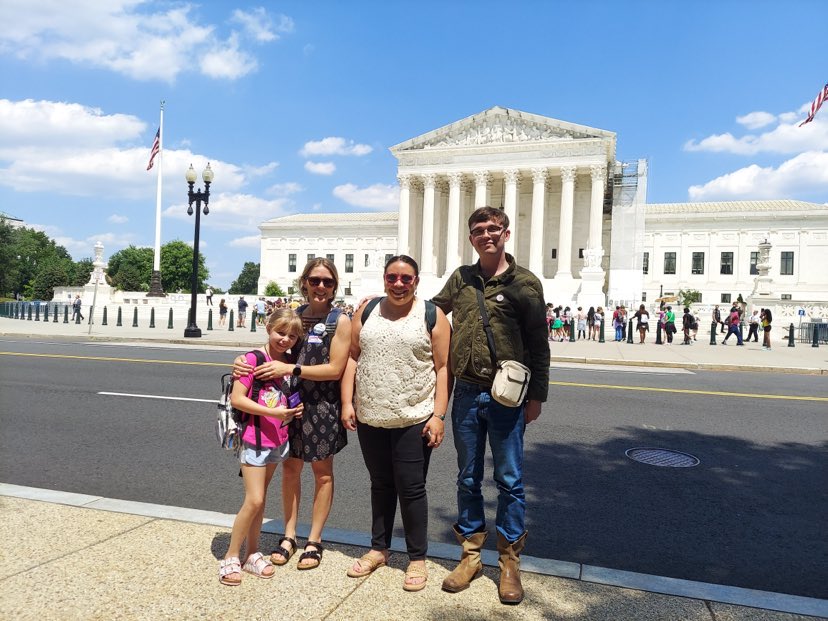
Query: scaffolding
[(625, 200)]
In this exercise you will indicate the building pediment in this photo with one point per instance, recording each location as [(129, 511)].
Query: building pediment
[(502, 126)]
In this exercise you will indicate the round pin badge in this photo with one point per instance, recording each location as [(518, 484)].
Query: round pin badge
[(499, 298), (319, 329)]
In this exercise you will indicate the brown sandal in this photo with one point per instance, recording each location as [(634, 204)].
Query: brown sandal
[(415, 571), (368, 565)]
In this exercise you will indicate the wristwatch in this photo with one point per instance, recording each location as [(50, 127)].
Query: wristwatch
[(442, 418), (297, 370)]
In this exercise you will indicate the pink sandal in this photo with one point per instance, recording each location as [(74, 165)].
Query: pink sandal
[(256, 564), (229, 566)]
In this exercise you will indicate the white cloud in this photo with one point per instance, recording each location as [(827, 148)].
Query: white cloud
[(81, 248), (117, 219), (378, 196), (334, 145), (803, 173), (261, 171), (258, 24), (229, 211), (755, 120), (250, 241), (285, 189), (127, 37), (75, 150), (320, 168)]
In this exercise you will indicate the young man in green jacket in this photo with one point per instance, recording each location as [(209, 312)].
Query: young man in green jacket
[(515, 305)]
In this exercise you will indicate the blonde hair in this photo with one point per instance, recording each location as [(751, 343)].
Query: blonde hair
[(319, 262), (285, 320)]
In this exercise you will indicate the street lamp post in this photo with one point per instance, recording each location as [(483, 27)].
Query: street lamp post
[(192, 330)]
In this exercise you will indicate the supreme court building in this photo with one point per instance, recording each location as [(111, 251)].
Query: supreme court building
[(579, 221)]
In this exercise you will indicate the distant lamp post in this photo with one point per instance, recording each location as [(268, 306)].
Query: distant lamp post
[(192, 330)]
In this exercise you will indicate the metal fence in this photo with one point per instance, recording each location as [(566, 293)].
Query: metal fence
[(806, 332)]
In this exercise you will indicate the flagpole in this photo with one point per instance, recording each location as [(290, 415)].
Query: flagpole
[(156, 290)]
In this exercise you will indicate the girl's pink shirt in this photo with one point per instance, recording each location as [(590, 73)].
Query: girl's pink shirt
[(270, 396)]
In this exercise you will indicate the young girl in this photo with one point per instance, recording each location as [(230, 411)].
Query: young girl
[(222, 312), (284, 328)]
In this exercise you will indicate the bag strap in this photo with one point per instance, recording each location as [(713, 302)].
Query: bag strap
[(369, 307), (486, 327)]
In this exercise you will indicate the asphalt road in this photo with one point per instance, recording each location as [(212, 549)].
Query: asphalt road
[(751, 514)]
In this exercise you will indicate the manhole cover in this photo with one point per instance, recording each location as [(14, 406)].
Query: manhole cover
[(662, 457)]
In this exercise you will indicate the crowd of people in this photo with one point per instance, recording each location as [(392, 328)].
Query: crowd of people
[(385, 371)]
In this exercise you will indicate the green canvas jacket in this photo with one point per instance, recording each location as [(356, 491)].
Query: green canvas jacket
[(517, 315)]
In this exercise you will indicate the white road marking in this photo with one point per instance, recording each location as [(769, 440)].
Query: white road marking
[(126, 394)]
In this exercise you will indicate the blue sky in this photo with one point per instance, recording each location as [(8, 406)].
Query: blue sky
[(296, 103)]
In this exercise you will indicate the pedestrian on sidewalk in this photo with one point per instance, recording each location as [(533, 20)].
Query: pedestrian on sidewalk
[(77, 307), (399, 362), (581, 319), (669, 324), (264, 446), (617, 322), (765, 321), (643, 320), (591, 322), (242, 312), (512, 298), (209, 295), (687, 325), (320, 363), (222, 312), (717, 318), (597, 318), (733, 327), (753, 329)]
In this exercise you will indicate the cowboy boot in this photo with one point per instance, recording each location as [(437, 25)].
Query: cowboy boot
[(470, 566), (510, 589)]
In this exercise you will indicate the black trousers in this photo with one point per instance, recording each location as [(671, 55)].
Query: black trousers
[(754, 332), (397, 461)]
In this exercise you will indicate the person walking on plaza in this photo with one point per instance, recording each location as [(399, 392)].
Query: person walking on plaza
[(242, 312), (222, 312), (643, 320), (77, 307), (733, 327), (597, 318), (717, 317), (669, 324), (320, 435), (264, 446), (581, 320), (591, 323), (617, 322), (508, 297), (402, 391), (687, 326), (261, 311), (753, 329), (209, 295), (765, 321)]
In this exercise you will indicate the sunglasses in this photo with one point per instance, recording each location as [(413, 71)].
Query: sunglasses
[(406, 279), (315, 281), (491, 230)]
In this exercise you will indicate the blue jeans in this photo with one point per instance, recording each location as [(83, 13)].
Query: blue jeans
[(475, 415), (619, 332)]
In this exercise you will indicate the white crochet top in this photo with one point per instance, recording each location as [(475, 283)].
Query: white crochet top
[(395, 378)]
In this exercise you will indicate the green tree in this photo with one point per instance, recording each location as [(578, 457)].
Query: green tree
[(8, 258), (79, 274), (177, 267), (248, 280), (31, 251), (51, 273), (274, 290), (689, 296), (131, 268)]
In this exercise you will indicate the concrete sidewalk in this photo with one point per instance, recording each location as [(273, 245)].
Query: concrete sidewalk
[(802, 358), (84, 557)]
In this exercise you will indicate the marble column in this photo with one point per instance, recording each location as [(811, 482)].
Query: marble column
[(482, 179), (427, 248), (511, 177), (565, 233), (595, 250), (453, 258), (536, 227), (405, 206)]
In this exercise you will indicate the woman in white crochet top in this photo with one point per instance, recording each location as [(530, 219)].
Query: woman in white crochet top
[(402, 389)]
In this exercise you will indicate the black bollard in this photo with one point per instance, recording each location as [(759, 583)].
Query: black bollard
[(629, 332), (169, 321), (30, 312), (230, 327), (118, 322), (17, 310), (790, 337), (253, 323), (658, 334), (152, 317), (65, 314), (601, 331), (572, 326), (210, 319), (46, 313), (713, 327), (37, 312), (56, 314), (77, 318), (815, 342), (103, 322), (135, 318)]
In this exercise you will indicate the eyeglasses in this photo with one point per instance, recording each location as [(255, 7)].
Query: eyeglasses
[(491, 230), (406, 279), (315, 281)]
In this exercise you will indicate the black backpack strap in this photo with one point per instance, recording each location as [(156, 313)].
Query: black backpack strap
[(430, 315), (369, 307)]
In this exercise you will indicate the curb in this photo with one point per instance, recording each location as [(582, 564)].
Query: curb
[(691, 366)]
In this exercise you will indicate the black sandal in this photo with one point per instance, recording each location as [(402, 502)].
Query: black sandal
[(284, 552), (316, 555)]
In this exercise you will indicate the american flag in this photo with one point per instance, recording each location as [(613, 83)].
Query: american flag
[(156, 146), (815, 105)]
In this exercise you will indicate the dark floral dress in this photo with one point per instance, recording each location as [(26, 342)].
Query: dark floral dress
[(319, 434)]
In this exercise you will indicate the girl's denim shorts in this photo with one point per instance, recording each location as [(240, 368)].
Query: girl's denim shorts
[(266, 455)]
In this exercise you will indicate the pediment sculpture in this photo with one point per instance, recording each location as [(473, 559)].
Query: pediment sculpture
[(497, 131)]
